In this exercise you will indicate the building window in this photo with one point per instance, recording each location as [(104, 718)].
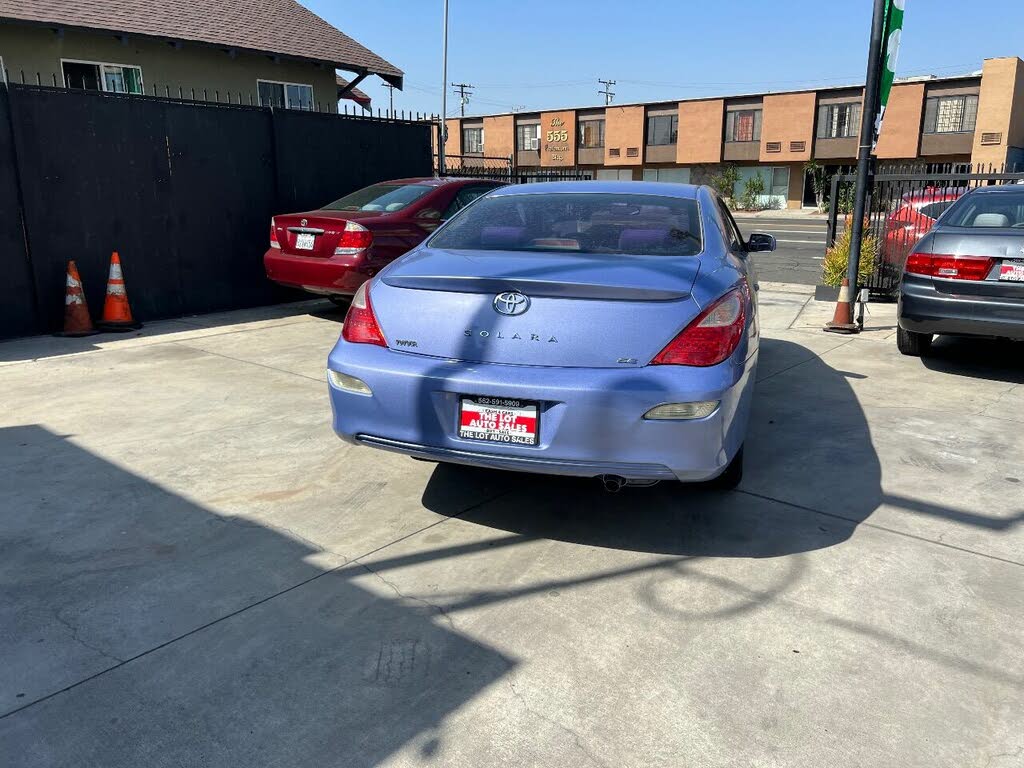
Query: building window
[(527, 137), (662, 129), (472, 141), (285, 95), (591, 134), (774, 179), (96, 76), (950, 114), (838, 121), (672, 175), (743, 125)]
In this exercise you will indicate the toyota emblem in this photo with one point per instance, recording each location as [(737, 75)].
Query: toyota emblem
[(303, 223), (511, 303)]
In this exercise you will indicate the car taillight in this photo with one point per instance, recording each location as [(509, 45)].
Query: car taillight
[(361, 326), (273, 235), (355, 238), (949, 266), (712, 336)]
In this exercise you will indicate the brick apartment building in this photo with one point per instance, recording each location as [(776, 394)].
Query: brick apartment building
[(976, 118)]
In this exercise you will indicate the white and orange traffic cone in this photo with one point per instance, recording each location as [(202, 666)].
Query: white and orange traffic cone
[(117, 313), (842, 318), (76, 312)]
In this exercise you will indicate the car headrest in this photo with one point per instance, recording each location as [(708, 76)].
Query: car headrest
[(632, 240), (501, 237), (991, 220)]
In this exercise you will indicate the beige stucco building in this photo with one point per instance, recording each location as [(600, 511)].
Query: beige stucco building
[(934, 122), (273, 53)]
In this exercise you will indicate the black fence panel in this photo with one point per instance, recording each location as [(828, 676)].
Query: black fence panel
[(183, 191), (18, 312), (317, 163), (904, 202)]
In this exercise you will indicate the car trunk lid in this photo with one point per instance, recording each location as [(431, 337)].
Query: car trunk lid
[(317, 233), (583, 311), (1004, 246)]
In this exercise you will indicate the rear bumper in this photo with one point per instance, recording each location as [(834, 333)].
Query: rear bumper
[(591, 419), (924, 309), (332, 275)]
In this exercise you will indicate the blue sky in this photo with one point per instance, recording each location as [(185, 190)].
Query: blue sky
[(538, 54)]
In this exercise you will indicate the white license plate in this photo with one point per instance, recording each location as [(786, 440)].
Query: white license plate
[(499, 420), (1012, 271), (304, 241)]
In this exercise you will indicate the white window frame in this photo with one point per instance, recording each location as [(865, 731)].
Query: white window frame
[(473, 128), (3, 72), (312, 100), (101, 65)]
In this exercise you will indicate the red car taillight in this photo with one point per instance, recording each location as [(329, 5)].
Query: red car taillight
[(361, 326), (355, 238), (273, 235), (949, 266), (712, 336)]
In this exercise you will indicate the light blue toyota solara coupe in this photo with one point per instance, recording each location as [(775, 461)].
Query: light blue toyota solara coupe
[(599, 329)]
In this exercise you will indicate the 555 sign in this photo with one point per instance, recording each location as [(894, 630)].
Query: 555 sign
[(558, 131)]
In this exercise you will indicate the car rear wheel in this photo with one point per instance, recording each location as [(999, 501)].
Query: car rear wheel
[(732, 475), (911, 343)]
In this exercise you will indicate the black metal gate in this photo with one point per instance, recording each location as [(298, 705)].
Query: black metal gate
[(903, 205), (504, 169)]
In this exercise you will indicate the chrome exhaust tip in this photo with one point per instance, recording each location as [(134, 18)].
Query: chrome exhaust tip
[(612, 483)]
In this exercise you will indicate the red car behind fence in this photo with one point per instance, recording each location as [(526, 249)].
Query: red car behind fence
[(913, 218)]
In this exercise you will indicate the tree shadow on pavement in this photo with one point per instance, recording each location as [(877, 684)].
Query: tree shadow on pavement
[(806, 428)]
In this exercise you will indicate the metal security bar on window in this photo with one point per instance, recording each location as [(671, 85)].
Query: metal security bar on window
[(472, 140), (591, 134), (838, 121), (950, 114), (743, 125), (528, 137)]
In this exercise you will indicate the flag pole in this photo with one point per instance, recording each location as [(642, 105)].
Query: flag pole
[(867, 140)]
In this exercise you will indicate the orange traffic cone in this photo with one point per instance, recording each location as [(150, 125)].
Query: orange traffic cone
[(842, 319), (117, 314), (76, 311)]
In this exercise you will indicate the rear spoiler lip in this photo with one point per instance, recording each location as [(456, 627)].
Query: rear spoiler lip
[(533, 288)]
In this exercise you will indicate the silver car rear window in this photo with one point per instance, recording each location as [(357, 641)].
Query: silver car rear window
[(988, 209), (585, 222)]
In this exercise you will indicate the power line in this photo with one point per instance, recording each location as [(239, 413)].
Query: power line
[(609, 94), (465, 90)]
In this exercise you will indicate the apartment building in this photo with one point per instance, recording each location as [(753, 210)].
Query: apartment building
[(976, 118)]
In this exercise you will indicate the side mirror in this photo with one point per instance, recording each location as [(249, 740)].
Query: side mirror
[(758, 242)]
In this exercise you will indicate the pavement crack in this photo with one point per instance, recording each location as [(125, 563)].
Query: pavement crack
[(73, 630), (442, 612), (576, 737)]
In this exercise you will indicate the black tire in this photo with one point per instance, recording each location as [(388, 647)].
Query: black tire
[(732, 475), (911, 343)]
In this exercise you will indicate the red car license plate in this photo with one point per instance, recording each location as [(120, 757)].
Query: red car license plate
[(499, 420), (1012, 270)]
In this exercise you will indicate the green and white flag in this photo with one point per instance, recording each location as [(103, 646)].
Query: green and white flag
[(893, 31)]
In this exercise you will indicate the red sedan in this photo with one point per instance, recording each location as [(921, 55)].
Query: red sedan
[(913, 219), (335, 249)]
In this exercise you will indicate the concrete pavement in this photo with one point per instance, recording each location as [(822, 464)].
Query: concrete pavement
[(195, 571)]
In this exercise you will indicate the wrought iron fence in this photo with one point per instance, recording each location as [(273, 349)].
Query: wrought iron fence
[(504, 169), (904, 202)]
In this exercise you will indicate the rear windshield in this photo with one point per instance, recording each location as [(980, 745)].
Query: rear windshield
[(585, 222), (380, 197), (988, 209)]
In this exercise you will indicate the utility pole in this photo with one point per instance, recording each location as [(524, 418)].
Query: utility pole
[(608, 93), (465, 90), (442, 125), (391, 98)]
